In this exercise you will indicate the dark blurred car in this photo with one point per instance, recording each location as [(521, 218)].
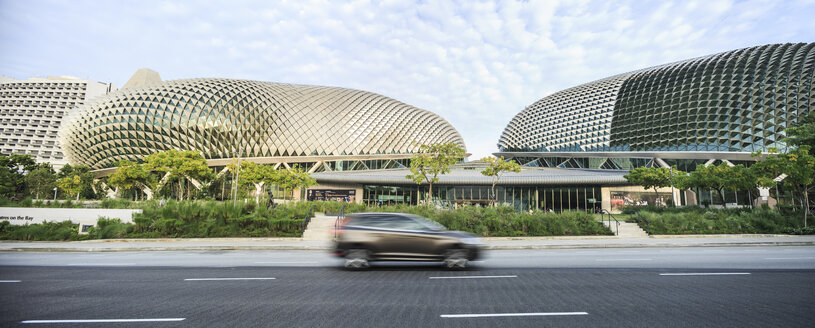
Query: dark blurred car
[(365, 237)]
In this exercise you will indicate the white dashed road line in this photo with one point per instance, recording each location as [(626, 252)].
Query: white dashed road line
[(706, 274), (105, 320), (474, 277), (100, 264), (613, 260), (10, 281), (790, 258), (289, 263), (488, 315), (225, 279)]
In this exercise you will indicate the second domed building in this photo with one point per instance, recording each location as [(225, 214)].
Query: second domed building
[(265, 122)]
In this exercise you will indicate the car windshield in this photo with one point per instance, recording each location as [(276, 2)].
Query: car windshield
[(433, 225)]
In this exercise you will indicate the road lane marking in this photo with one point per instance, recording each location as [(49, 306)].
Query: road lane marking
[(611, 260), (100, 264), (790, 258), (474, 277), (486, 315), (294, 263), (11, 281), (105, 320), (217, 279), (706, 274)]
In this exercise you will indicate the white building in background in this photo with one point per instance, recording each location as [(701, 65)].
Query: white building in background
[(32, 110)]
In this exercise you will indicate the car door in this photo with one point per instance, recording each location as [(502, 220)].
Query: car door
[(412, 239)]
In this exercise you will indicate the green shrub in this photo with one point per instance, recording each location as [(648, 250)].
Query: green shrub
[(720, 221), (46, 231), (505, 221), (117, 203)]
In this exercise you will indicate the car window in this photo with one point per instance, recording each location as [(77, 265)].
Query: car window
[(433, 225), (410, 224), (376, 221), (399, 222)]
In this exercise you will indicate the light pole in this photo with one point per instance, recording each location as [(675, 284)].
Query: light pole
[(55, 194)]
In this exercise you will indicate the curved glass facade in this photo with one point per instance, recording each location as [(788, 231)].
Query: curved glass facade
[(224, 118), (736, 101)]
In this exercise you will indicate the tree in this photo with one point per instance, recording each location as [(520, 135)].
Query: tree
[(179, 165), (803, 133), (722, 177), (432, 161), (738, 177), (41, 181), (86, 178), (651, 177), (255, 174), (130, 175), (12, 174), (71, 184), (496, 167), (292, 178), (800, 172), (768, 168)]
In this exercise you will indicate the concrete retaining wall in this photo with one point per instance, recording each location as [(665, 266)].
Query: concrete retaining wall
[(83, 216)]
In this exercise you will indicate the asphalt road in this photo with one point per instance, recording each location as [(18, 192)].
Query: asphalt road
[(692, 287)]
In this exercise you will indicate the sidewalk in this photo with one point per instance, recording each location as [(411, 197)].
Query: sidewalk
[(498, 243)]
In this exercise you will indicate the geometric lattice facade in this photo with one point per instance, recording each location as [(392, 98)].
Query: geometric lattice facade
[(736, 101), (224, 118), (575, 119), (32, 110)]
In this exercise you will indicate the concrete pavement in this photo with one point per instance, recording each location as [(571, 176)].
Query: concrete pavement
[(497, 243)]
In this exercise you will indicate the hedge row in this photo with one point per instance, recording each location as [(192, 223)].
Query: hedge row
[(504, 221), (195, 219), (190, 219), (695, 220)]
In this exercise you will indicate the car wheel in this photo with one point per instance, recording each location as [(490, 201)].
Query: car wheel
[(356, 259), (456, 259)]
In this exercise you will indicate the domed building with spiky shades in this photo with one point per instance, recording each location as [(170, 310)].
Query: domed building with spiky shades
[(706, 110), (316, 127), (576, 145)]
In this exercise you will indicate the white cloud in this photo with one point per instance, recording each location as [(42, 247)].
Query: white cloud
[(476, 64)]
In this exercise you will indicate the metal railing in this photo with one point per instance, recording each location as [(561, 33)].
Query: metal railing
[(603, 214), (307, 218), (639, 218), (338, 221)]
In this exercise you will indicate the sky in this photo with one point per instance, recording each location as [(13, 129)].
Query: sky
[(475, 63)]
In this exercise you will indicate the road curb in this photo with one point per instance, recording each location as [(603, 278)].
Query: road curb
[(757, 244), (311, 248)]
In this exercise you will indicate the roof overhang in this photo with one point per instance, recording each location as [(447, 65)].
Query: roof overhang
[(704, 155), (527, 177)]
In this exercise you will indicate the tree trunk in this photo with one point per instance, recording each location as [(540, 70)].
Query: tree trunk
[(721, 194), (656, 196), (493, 196), (430, 194), (180, 189), (77, 196), (257, 192), (806, 204), (750, 198)]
